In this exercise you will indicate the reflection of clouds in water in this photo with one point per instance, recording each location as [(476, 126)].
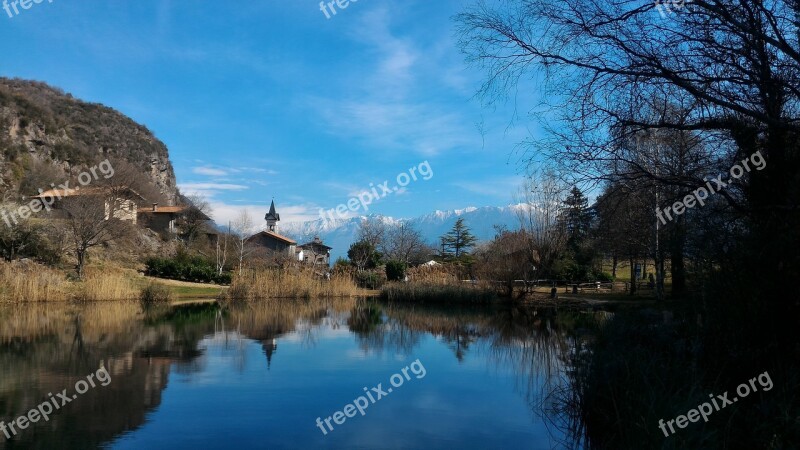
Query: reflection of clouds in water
[(202, 344)]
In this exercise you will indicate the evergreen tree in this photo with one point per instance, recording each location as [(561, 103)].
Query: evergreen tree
[(458, 240), (363, 255), (577, 217), (577, 221)]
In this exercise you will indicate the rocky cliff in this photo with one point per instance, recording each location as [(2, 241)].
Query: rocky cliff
[(41, 127)]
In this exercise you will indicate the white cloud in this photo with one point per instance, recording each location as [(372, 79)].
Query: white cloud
[(213, 186), (391, 107), (210, 171), (209, 190), (223, 213)]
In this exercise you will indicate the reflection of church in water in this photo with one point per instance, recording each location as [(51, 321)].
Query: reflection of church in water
[(268, 338), (270, 347)]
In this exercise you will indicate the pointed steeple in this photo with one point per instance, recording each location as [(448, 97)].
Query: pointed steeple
[(272, 217)]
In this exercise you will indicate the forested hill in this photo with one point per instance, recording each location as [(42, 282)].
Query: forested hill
[(45, 131)]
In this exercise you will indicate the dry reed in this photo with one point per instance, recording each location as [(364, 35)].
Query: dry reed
[(27, 282), (443, 274), (106, 284), (289, 283), (22, 282)]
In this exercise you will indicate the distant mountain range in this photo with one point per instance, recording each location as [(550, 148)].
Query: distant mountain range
[(341, 233)]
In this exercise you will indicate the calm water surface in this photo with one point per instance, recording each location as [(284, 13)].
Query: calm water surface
[(259, 376)]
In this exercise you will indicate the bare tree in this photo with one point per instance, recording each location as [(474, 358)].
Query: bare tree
[(242, 229), (404, 243), (222, 250), (121, 176), (540, 219), (505, 259), (372, 231), (91, 221), (732, 69), (726, 72), (16, 236), (194, 220)]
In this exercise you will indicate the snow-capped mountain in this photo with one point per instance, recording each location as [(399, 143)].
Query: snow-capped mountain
[(341, 233)]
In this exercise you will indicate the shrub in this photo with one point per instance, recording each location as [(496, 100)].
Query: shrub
[(395, 271), (603, 277), (186, 268), (369, 279), (155, 293), (225, 278)]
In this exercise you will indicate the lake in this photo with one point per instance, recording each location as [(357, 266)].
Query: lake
[(261, 375)]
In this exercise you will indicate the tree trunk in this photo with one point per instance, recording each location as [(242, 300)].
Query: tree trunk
[(614, 265), (633, 276), (81, 261), (677, 267)]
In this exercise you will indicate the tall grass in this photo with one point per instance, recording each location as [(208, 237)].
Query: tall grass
[(289, 283), (32, 283), (28, 282), (435, 275), (437, 293), (105, 284)]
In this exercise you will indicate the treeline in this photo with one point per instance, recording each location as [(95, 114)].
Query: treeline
[(686, 126)]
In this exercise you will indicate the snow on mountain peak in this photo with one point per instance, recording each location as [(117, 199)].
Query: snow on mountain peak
[(341, 233)]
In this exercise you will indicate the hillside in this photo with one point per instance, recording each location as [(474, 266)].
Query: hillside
[(44, 129)]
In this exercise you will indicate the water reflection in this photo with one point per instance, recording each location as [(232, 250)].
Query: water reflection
[(47, 348)]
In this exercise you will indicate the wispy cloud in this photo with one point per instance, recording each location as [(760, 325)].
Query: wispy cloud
[(209, 190), (221, 171), (210, 171), (224, 213), (214, 186), (391, 107)]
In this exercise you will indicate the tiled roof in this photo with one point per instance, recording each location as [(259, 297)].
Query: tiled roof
[(162, 209), (276, 236)]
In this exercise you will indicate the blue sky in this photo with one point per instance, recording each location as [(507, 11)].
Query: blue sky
[(261, 99)]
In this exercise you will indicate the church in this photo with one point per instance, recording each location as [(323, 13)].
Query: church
[(271, 240), (314, 253)]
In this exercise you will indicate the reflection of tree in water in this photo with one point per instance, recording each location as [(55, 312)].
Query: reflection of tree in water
[(48, 349), (63, 344), (376, 334), (542, 357), (460, 338), (364, 318), (459, 328), (534, 343)]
